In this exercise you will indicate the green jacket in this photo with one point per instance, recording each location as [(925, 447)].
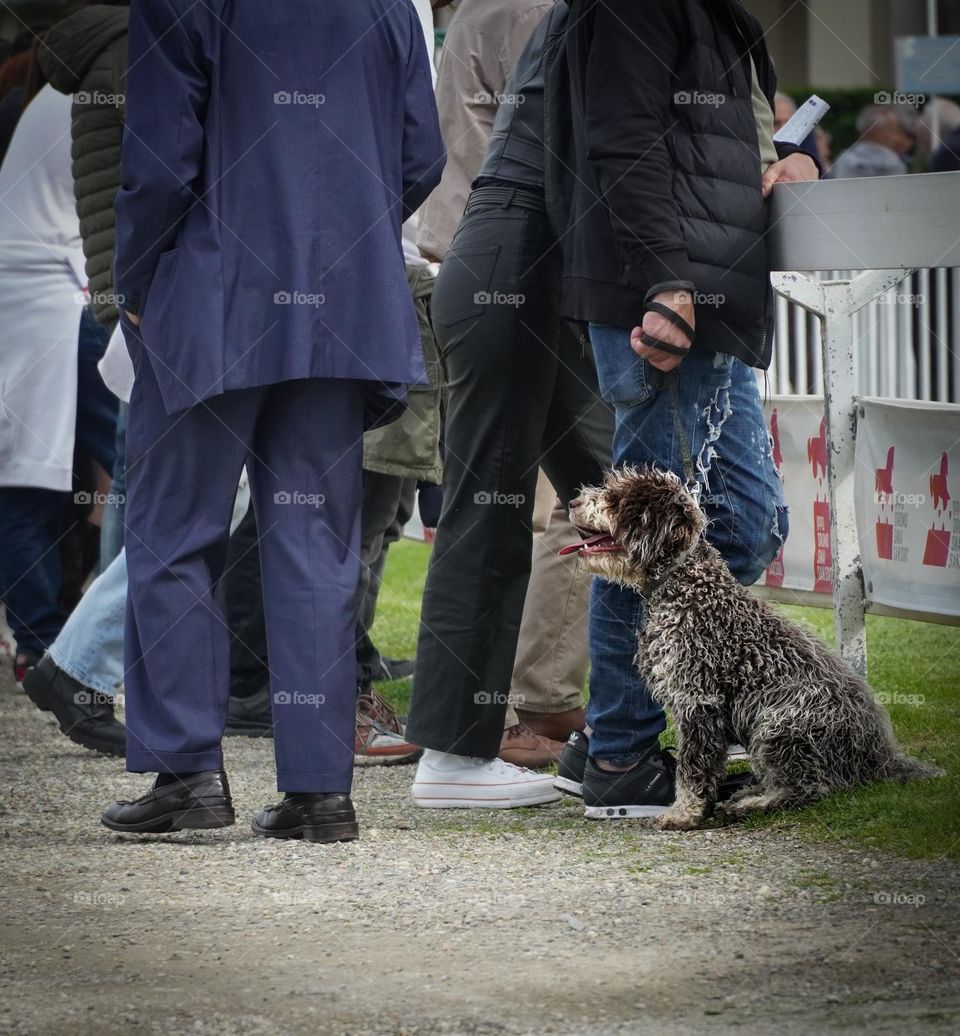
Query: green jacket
[(85, 54), (411, 446)]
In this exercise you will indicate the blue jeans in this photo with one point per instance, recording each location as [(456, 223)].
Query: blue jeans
[(111, 528), (722, 421), (90, 645), (31, 573)]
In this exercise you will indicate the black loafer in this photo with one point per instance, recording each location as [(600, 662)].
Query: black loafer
[(326, 817), (85, 715), (194, 801)]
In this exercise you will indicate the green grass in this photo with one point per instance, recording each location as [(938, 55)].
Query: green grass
[(914, 666)]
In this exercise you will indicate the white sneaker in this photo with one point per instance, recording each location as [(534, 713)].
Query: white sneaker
[(446, 781)]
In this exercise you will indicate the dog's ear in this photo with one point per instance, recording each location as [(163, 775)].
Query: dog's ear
[(655, 518)]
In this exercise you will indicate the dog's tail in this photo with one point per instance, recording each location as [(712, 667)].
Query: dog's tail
[(903, 768)]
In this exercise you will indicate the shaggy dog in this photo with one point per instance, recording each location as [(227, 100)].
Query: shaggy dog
[(727, 666)]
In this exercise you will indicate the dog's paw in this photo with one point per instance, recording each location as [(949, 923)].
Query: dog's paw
[(738, 808), (680, 819)]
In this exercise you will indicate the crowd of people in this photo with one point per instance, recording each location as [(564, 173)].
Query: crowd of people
[(270, 283)]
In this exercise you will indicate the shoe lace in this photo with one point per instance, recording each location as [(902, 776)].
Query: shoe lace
[(377, 711)]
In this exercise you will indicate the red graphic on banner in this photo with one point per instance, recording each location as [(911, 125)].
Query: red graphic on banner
[(937, 548), (884, 497), (817, 454), (775, 572)]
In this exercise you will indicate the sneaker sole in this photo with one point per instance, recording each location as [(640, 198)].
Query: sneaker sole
[(195, 818), (321, 833), (455, 802), (623, 812), (387, 760), (568, 786)]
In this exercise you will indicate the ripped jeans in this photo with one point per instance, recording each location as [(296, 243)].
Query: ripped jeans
[(722, 420)]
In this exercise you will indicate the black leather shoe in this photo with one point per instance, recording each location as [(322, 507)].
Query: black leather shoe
[(85, 715), (192, 801), (328, 817), (250, 716)]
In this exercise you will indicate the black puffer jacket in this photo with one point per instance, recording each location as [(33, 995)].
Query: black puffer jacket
[(85, 54), (664, 146)]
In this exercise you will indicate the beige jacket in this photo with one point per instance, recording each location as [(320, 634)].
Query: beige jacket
[(483, 43)]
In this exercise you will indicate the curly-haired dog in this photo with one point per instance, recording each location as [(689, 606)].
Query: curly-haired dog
[(727, 666)]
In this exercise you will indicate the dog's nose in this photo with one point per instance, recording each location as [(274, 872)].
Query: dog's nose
[(575, 503)]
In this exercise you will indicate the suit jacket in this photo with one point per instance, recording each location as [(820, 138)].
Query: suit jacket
[(271, 153)]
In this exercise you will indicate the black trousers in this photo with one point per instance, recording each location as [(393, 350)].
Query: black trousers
[(522, 395)]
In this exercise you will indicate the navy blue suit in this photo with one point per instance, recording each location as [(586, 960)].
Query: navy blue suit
[(270, 155)]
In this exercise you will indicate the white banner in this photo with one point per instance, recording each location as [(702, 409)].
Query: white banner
[(907, 491), (908, 504)]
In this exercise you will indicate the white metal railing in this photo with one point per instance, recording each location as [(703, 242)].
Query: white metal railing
[(905, 342)]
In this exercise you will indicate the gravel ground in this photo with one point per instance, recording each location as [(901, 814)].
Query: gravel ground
[(442, 921)]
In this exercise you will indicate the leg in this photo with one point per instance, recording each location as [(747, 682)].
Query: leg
[(176, 643), (242, 596), (90, 645), (381, 502), (111, 532), (30, 568), (500, 378), (701, 760), (96, 404), (305, 475)]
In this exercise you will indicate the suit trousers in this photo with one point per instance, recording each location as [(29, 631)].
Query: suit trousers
[(302, 444)]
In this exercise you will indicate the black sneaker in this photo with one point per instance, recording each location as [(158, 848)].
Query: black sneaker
[(645, 790), (573, 761), (250, 716)]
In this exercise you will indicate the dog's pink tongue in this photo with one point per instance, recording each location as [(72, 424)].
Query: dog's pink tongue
[(602, 541)]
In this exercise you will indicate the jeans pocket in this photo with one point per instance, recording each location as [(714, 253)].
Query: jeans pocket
[(462, 289), (625, 379)]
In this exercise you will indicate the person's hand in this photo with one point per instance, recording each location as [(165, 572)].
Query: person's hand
[(132, 317), (792, 168), (681, 302)]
